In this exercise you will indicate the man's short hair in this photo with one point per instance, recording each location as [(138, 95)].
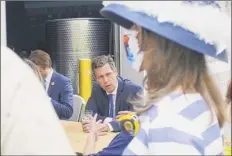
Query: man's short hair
[(41, 58), (102, 60)]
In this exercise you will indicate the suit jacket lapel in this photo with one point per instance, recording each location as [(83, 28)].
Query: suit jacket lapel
[(51, 84)]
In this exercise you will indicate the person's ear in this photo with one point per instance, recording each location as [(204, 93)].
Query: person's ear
[(116, 71)]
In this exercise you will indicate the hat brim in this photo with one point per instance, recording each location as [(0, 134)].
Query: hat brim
[(126, 17)]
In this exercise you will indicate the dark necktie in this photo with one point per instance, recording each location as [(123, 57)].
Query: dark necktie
[(111, 105)]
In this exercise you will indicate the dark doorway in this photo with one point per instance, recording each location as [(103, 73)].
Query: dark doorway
[(26, 20)]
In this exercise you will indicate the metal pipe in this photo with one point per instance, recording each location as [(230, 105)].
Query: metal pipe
[(85, 79), (117, 40), (121, 47)]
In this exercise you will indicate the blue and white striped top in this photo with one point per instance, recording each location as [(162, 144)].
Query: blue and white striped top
[(179, 124)]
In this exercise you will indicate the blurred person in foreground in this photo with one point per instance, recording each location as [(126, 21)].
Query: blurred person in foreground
[(24, 130), (183, 111), (58, 87)]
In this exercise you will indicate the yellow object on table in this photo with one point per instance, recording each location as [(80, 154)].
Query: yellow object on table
[(227, 138), (227, 147), (85, 78), (130, 123)]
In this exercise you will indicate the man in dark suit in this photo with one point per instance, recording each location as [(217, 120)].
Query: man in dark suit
[(111, 93), (58, 87)]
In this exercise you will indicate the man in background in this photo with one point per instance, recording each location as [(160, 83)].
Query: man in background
[(58, 87), (110, 95)]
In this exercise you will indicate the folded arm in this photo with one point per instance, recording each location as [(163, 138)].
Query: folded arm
[(64, 107)]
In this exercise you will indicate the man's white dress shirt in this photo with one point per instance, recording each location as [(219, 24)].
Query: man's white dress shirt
[(108, 119), (47, 81)]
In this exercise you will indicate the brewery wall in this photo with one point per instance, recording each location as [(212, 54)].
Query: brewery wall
[(26, 30), (68, 31), (72, 39), (26, 20)]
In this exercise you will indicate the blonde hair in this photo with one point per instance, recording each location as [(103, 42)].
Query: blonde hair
[(228, 94), (228, 101), (173, 65)]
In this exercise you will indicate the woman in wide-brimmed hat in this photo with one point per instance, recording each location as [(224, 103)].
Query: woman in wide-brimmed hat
[(183, 111)]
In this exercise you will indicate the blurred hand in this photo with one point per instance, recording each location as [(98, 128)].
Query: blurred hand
[(97, 128), (121, 113), (86, 125), (103, 129)]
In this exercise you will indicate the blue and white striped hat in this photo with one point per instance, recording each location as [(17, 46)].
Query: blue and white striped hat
[(200, 26)]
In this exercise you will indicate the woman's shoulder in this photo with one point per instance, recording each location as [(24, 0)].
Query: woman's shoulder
[(182, 111), (178, 103), (190, 106), (183, 119)]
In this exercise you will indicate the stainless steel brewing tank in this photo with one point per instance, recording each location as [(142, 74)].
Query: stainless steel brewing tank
[(69, 40)]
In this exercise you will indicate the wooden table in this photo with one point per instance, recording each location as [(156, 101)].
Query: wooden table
[(78, 138)]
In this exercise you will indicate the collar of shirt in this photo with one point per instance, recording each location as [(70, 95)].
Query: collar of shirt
[(108, 119), (48, 78)]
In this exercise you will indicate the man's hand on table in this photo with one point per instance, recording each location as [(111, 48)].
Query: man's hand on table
[(86, 125), (102, 128)]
